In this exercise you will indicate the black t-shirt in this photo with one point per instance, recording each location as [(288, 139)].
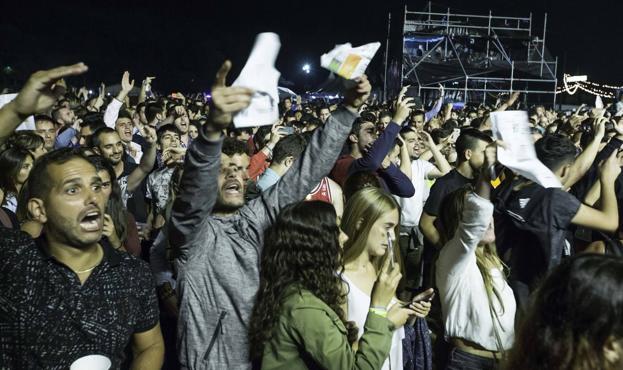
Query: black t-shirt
[(532, 223), (444, 185), (49, 319)]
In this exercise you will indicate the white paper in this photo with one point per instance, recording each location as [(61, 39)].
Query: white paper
[(349, 62), (599, 104), (260, 75), (513, 128), (28, 124)]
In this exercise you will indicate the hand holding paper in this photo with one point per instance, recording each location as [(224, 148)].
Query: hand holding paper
[(260, 75), (518, 154), (225, 101)]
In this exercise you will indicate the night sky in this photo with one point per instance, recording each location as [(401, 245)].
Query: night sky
[(184, 42)]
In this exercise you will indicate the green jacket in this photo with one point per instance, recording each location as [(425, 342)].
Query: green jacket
[(310, 335)]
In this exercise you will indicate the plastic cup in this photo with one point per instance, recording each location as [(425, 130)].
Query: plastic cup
[(91, 362)]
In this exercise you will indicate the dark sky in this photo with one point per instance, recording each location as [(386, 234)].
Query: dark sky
[(183, 42)]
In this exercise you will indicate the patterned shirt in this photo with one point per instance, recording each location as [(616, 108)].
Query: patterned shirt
[(158, 184), (49, 320)]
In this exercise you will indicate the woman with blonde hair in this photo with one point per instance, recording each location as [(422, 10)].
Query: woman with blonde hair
[(477, 303), (371, 222)]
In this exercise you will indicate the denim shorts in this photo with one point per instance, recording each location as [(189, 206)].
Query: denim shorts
[(461, 360)]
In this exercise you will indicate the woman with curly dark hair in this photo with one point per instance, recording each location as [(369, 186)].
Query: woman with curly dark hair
[(575, 322), (297, 322)]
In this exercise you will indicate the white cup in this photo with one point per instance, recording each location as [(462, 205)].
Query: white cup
[(91, 362)]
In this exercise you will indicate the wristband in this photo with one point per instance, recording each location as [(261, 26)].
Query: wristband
[(379, 312)]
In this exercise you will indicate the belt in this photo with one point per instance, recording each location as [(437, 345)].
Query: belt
[(474, 349)]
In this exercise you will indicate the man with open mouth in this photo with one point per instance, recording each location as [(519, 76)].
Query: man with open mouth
[(68, 294), (218, 238)]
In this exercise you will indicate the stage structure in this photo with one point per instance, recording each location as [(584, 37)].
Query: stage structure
[(476, 57)]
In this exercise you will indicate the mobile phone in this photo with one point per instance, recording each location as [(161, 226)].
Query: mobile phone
[(390, 250), (426, 298), (288, 130)]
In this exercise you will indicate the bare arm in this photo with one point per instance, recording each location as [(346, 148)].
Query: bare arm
[(427, 225), (148, 349), (584, 161), (38, 95), (441, 163), (147, 160), (606, 217)]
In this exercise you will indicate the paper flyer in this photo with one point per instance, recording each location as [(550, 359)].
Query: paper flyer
[(513, 128), (349, 62), (28, 124), (260, 75)]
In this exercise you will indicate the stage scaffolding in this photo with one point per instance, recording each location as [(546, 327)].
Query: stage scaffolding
[(476, 57)]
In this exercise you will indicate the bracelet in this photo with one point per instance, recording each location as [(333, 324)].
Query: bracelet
[(382, 308), (382, 313)]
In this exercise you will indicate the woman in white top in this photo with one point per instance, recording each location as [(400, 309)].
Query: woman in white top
[(370, 220), (477, 303)]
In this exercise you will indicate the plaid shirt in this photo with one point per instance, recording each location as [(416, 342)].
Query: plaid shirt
[(49, 320)]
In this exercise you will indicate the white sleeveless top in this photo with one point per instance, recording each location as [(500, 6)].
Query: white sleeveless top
[(358, 307)]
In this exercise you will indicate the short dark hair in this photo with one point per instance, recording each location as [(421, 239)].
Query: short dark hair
[(359, 121), (440, 133), (554, 151), (291, 145), (358, 181), (232, 147), (164, 128), (258, 137), (320, 108), (152, 110), (40, 182), (469, 139), (95, 141), (43, 117), (93, 121), (418, 112), (26, 140), (384, 114), (124, 113)]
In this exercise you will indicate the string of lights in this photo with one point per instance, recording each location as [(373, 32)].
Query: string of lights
[(587, 86)]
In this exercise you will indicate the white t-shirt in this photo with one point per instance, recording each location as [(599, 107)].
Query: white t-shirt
[(411, 208), (462, 292), (358, 308)]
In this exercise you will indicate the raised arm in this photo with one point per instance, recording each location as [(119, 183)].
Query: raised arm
[(198, 187), (372, 159), (112, 110), (147, 160), (397, 182), (476, 217), (584, 161), (316, 161), (38, 95)]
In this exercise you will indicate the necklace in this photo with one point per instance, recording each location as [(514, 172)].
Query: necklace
[(87, 270)]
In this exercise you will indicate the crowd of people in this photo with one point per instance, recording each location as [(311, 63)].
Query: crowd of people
[(149, 230)]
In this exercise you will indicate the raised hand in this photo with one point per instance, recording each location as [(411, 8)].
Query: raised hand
[(403, 109), (149, 134), (226, 100), (126, 84), (43, 88), (356, 96)]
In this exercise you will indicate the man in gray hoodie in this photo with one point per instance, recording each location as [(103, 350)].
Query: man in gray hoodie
[(218, 238)]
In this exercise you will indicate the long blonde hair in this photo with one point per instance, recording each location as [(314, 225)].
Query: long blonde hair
[(362, 210), (486, 255)]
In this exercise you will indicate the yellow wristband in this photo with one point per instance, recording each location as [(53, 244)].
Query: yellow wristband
[(380, 312)]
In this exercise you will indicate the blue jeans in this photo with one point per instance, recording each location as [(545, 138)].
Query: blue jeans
[(460, 360)]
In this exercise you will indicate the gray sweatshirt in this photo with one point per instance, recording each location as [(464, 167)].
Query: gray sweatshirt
[(218, 257)]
